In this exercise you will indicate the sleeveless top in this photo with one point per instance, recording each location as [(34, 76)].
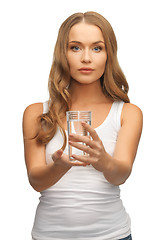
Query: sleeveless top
[(83, 205)]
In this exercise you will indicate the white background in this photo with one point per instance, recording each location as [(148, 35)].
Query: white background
[(28, 35)]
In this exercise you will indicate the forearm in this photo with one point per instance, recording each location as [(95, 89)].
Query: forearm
[(116, 172), (43, 177)]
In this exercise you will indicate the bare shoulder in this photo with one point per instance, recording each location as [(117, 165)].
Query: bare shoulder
[(30, 115), (32, 112), (33, 109), (132, 114)]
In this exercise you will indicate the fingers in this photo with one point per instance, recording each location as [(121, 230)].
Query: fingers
[(81, 147), (77, 163), (57, 154), (89, 144), (91, 130), (84, 139), (62, 159), (84, 159)]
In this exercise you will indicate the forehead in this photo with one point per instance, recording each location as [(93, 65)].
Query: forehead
[(84, 32)]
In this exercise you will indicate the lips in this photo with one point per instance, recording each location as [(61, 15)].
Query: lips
[(86, 70)]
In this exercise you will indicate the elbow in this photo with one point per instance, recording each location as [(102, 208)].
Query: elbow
[(125, 177), (33, 182), (36, 187), (119, 182), (120, 179)]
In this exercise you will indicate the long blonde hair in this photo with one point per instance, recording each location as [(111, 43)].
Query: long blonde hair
[(113, 81)]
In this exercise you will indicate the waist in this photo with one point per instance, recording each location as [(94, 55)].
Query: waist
[(77, 194), (91, 209), (87, 218), (87, 206)]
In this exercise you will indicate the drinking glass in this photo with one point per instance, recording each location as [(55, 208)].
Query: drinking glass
[(74, 120)]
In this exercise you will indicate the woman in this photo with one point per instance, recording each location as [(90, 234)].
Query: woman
[(81, 199)]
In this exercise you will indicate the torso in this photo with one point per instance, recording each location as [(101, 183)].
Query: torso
[(83, 203)]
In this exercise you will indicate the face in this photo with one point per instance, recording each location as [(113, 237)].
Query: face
[(86, 53)]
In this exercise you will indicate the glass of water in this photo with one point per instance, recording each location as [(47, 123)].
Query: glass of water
[(74, 119)]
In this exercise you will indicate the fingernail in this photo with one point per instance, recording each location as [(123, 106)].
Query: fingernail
[(59, 151)]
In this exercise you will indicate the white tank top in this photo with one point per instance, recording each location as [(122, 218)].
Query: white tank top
[(83, 205)]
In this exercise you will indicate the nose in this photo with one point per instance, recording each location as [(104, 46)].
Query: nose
[(86, 58)]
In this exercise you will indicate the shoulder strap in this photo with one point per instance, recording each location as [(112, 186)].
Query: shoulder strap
[(45, 107), (118, 106)]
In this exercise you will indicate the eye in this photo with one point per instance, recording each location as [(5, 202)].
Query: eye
[(97, 49), (75, 48)]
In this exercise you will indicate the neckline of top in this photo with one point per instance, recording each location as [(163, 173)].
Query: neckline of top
[(105, 120)]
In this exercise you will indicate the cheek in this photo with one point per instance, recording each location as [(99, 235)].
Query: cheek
[(72, 61), (102, 63), (68, 59)]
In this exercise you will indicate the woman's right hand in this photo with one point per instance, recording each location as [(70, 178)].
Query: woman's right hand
[(60, 158)]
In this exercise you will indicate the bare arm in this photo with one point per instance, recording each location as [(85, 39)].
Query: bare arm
[(120, 165), (41, 175)]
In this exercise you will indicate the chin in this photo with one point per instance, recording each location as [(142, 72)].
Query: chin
[(86, 81)]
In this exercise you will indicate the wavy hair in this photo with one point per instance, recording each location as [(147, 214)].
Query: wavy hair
[(113, 81)]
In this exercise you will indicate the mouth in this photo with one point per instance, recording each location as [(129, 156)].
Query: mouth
[(86, 70)]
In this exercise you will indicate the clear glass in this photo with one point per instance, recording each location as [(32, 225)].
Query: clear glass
[(74, 119)]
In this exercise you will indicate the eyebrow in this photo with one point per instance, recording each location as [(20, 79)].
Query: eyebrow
[(81, 43)]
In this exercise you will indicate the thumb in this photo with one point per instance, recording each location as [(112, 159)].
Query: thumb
[(57, 154)]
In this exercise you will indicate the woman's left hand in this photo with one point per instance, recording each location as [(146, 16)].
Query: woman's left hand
[(96, 154)]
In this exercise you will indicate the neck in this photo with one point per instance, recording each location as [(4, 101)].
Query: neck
[(86, 94)]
